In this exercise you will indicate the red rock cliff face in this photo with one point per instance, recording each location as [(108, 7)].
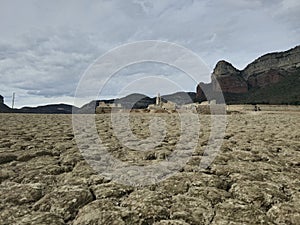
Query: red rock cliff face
[(228, 79), (271, 68), (230, 84), (264, 71), (265, 79)]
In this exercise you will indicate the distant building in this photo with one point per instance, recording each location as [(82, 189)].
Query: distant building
[(192, 107), (111, 105), (153, 107), (158, 99), (160, 105), (168, 105), (108, 107), (202, 108)]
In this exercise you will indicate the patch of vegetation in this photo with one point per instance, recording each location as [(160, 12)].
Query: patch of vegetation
[(287, 91)]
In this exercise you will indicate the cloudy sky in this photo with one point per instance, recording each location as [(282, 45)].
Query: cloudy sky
[(46, 46)]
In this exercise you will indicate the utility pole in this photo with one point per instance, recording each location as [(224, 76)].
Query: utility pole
[(13, 100)]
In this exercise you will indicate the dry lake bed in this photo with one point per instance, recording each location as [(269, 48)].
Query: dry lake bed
[(254, 179)]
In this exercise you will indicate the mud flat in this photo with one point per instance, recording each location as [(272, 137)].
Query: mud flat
[(253, 180)]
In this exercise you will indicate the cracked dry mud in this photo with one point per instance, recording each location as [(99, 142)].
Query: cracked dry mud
[(253, 180)]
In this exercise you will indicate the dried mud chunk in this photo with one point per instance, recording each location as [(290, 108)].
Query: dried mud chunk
[(236, 212), (209, 180), (285, 213), (146, 207), (41, 219), (261, 194), (38, 167), (30, 154), (71, 179), (64, 201), (242, 170), (36, 176), (171, 222), (98, 179), (7, 157), (111, 190), (11, 214), (103, 211), (177, 184), (213, 194), (83, 169), (18, 194), (71, 157), (192, 210), (6, 174)]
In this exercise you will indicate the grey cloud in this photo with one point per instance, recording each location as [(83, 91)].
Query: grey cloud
[(133, 74), (47, 61)]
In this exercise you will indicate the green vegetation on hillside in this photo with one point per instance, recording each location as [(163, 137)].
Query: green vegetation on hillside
[(287, 91)]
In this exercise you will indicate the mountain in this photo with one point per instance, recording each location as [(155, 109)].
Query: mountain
[(271, 79), (90, 107), (132, 101), (48, 109), (135, 101), (181, 98)]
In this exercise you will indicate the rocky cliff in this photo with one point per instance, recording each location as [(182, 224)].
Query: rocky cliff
[(229, 78), (263, 73), (287, 61)]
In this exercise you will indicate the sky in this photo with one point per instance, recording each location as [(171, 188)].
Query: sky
[(47, 46)]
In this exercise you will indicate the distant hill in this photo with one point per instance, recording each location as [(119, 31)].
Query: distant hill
[(181, 98), (135, 101), (48, 109), (271, 79)]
